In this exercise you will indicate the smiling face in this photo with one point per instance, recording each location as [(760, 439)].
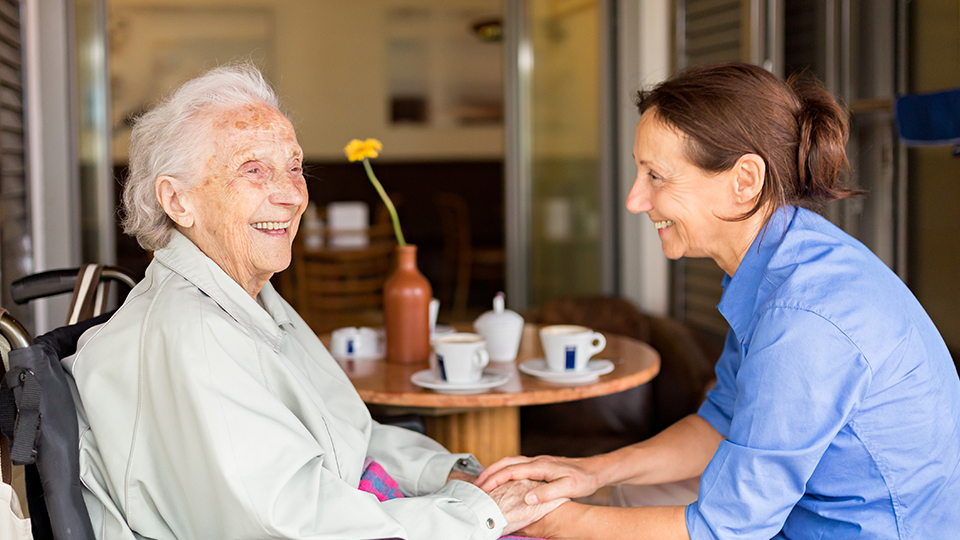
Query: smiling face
[(244, 210), (685, 203)]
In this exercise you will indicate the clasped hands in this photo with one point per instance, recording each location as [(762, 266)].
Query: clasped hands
[(526, 489)]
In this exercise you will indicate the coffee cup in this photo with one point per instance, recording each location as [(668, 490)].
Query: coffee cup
[(567, 347), (353, 342), (461, 357)]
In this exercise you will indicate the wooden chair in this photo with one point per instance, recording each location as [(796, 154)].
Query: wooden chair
[(342, 287), (464, 262)]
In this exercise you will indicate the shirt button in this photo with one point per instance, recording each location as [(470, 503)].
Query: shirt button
[(490, 523), (462, 462)]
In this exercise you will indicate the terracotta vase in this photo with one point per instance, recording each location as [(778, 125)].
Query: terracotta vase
[(406, 310)]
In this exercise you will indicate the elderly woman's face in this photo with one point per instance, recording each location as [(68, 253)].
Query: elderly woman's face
[(682, 200), (248, 201)]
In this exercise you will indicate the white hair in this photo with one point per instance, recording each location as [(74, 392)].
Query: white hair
[(170, 140)]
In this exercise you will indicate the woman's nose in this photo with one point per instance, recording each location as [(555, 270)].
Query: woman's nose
[(638, 200), (289, 190)]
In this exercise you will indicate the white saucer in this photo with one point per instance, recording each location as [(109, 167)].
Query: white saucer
[(428, 379), (537, 367), (379, 356)]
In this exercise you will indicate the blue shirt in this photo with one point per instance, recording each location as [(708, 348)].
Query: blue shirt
[(837, 396)]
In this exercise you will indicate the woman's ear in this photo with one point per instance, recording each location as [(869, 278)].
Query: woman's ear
[(750, 172), (174, 203)]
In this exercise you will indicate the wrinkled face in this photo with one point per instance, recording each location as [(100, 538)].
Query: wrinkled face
[(250, 195), (682, 200)]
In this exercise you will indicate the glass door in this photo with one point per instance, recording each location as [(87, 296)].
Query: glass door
[(559, 189)]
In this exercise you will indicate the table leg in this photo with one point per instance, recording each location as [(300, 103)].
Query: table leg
[(488, 434)]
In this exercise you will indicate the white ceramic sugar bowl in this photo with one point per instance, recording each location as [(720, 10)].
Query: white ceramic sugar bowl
[(502, 329)]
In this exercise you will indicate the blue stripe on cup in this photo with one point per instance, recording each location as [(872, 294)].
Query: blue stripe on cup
[(443, 372), (349, 346), (571, 355)]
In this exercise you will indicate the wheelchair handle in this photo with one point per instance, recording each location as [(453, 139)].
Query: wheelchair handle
[(15, 333), (53, 282)]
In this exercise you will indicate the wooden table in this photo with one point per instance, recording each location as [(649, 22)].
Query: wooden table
[(488, 424)]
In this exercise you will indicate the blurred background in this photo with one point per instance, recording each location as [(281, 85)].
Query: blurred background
[(507, 128)]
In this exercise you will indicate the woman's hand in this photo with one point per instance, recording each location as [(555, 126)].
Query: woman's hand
[(564, 477), (510, 498)]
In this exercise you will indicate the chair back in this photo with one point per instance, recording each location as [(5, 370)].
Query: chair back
[(457, 250), (465, 262), (343, 287)]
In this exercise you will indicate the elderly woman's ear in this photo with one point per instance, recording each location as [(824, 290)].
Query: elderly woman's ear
[(172, 199), (749, 173)]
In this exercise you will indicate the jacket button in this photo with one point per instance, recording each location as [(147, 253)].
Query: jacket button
[(490, 523)]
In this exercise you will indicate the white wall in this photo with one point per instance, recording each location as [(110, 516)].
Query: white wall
[(327, 59), (644, 60)]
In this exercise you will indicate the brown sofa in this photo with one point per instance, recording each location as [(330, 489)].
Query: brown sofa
[(601, 424)]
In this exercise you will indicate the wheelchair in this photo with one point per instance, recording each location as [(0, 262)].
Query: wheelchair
[(37, 413)]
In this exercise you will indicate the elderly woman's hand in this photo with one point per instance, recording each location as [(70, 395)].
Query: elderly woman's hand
[(509, 497), (558, 477)]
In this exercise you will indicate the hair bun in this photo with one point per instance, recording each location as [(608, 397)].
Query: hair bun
[(822, 148)]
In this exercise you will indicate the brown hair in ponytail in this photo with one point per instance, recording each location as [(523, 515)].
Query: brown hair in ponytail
[(727, 110)]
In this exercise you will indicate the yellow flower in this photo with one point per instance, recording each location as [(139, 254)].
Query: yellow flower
[(357, 150)]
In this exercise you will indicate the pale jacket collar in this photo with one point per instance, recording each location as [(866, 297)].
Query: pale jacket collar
[(263, 319)]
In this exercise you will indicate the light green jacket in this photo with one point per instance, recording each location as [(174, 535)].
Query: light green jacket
[(208, 415)]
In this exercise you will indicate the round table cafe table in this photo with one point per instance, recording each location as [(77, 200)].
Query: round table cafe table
[(487, 424)]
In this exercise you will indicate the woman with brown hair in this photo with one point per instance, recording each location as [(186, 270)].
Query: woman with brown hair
[(836, 412)]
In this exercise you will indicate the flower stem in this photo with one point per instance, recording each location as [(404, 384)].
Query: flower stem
[(386, 201)]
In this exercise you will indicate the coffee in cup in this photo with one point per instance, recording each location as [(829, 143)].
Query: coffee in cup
[(461, 357), (352, 342), (567, 347)]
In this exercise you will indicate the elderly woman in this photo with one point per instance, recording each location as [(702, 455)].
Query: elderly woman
[(208, 408), (836, 412)]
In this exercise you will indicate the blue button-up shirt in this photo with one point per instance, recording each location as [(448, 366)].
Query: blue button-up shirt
[(837, 396)]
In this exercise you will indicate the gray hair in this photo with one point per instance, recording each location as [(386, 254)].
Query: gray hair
[(169, 140)]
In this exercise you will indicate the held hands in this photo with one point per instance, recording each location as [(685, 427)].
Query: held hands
[(510, 498), (563, 477)]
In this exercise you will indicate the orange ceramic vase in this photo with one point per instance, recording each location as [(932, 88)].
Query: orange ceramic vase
[(406, 310)]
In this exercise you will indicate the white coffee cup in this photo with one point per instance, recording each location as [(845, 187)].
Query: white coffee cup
[(353, 342), (567, 347), (461, 357)]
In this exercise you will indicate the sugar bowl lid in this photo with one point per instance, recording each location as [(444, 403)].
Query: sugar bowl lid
[(499, 316)]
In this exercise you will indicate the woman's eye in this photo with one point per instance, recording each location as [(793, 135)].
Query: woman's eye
[(253, 168)]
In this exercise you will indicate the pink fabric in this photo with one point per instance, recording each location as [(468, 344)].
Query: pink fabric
[(376, 480)]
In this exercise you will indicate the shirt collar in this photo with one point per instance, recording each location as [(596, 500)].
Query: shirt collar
[(740, 291), (262, 318)]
